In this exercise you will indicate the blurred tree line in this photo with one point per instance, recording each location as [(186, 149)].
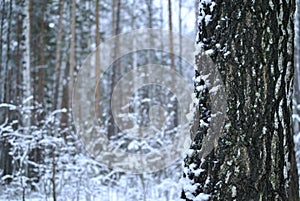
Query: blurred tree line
[(42, 46)]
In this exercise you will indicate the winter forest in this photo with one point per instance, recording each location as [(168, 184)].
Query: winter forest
[(115, 100)]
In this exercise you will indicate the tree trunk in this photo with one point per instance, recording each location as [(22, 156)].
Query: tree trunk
[(2, 79), (97, 68), (115, 66), (172, 58), (72, 52), (41, 70), (150, 12), (180, 33), (26, 68), (6, 158), (252, 46), (171, 36), (57, 101), (53, 176), (113, 17)]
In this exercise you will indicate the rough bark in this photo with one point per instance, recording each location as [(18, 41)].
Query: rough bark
[(252, 43)]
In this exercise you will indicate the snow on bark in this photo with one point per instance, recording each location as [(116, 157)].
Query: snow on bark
[(252, 45)]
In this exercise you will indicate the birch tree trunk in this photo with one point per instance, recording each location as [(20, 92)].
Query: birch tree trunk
[(26, 68), (252, 44), (26, 63)]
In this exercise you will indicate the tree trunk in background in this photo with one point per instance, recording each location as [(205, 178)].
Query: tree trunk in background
[(41, 70), (116, 65), (196, 14), (19, 56), (26, 67), (180, 33), (72, 52), (110, 126), (113, 17), (2, 75), (69, 73), (6, 159), (253, 48), (171, 35), (53, 178), (97, 68), (39, 79), (57, 96), (117, 45), (172, 58), (297, 68), (150, 13)]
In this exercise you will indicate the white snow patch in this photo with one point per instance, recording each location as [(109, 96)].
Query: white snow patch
[(218, 45), (134, 145), (207, 19), (202, 197), (190, 116), (10, 106), (215, 89), (198, 171), (203, 124), (227, 53), (51, 25), (233, 191), (209, 52), (190, 152), (198, 48), (195, 99), (200, 88)]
